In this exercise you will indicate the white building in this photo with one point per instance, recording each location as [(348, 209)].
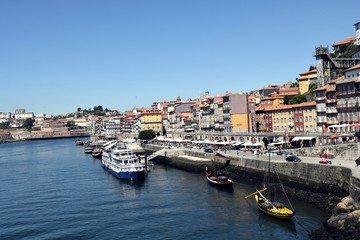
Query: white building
[(22, 114), (5, 115), (357, 33)]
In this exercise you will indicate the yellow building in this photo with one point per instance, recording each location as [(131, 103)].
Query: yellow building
[(305, 79), (240, 122), (282, 118), (152, 119), (309, 112)]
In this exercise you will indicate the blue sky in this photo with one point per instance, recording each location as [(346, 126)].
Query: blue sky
[(56, 56)]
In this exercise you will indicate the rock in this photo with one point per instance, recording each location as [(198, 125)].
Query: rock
[(344, 222), (340, 208)]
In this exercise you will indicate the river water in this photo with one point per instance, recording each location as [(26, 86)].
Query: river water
[(53, 190)]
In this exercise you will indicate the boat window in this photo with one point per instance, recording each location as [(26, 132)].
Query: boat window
[(126, 161)]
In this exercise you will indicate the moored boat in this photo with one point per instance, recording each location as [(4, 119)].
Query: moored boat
[(79, 142), (218, 179), (265, 198), (274, 209), (217, 176), (123, 164), (97, 153)]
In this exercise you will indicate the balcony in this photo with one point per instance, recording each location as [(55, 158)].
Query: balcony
[(321, 120), (347, 92), (320, 109), (347, 106), (333, 100), (320, 98), (331, 110), (332, 121)]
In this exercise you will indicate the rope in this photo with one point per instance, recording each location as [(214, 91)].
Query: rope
[(282, 186)]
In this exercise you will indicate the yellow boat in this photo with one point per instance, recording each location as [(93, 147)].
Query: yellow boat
[(268, 205), (273, 209)]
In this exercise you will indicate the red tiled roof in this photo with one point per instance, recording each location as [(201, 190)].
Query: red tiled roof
[(345, 41), (357, 66)]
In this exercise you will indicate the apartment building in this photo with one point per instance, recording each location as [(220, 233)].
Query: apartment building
[(152, 119), (288, 118)]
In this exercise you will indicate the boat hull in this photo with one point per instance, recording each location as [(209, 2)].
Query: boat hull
[(284, 213), (133, 176), (223, 184)]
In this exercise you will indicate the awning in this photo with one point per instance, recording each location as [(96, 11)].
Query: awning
[(355, 125), (277, 143), (338, 126), (252, 144), (295, 139), (235, 143), (332, 137)]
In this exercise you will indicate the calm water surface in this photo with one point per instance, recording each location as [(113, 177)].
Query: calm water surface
[(53, 190)]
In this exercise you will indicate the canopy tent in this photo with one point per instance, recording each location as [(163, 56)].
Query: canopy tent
[(295, 139), (277, 143), (236, 143), (355, 125), (249, 144), (339, 126)]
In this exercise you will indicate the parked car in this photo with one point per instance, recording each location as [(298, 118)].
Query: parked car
[(293, 158), (208, 150)]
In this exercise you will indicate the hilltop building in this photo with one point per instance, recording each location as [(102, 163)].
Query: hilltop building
[(305, 79)]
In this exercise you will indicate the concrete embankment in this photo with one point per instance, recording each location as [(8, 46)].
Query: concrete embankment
[(336, 180)]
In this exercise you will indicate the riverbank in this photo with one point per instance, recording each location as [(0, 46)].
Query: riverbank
[(322, 185)]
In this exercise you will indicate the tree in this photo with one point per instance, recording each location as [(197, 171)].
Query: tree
[(295, 84), (298, 99), (5, 125), (147, 134), (287, 100), (28, 123), (312, 87), (79, 109)]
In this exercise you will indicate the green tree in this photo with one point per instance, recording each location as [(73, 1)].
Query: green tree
[(5, 125), (28, 123), (79, 109), (295, 84), (298, 99), (147, 134), (287, 100)]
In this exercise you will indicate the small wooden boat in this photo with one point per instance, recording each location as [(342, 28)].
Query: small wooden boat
[(79, 142), (97, 153), (217, 176), (265, 198), (88, 149), (218, 180), (274, 209)]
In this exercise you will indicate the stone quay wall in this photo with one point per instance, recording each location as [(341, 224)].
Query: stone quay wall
[(317, 178)]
